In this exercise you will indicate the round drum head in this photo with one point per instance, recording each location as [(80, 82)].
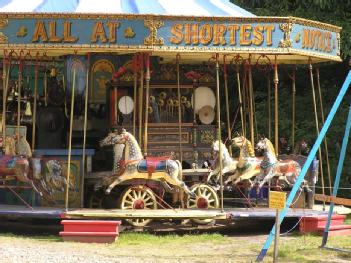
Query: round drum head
[(206, 115), (126, 105), (204, 96)]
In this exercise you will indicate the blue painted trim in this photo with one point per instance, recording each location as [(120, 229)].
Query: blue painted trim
[(338, 175), (211, 8), (62, 152), (307, 164)]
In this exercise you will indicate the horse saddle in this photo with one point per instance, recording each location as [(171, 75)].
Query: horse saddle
[(153, 164)]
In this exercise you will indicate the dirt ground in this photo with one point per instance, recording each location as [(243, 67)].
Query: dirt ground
[(220, 249)]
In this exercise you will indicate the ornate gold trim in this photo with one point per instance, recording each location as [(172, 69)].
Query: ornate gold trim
[(153, 26), (339, 44), (165, 17), (286, 28), (3, 37), (82, 49)]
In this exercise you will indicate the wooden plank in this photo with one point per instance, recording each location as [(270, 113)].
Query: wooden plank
[(332, 199), (153, 214)]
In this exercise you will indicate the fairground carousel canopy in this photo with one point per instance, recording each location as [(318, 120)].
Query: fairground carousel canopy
[(195, 28)]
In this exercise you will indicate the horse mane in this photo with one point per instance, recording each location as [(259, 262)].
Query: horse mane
[(270, 146), (250, 148)]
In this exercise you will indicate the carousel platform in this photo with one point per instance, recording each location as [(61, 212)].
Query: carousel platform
[(228, 214), (23, 212), (18, 212)]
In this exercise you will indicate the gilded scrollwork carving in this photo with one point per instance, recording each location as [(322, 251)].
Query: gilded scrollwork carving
[(286, 28), (153, 26), (206, 136), (3, 24)]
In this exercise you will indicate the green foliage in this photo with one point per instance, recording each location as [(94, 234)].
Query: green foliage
[(332, 76), (328, 11)]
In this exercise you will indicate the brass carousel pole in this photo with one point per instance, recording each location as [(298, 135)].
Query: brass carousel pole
[(293, 107), (219, 135), (276, 116), (34, 120), (141, 91), (5, 81), (179, 111), (181, 192), (317, 128), (325, 138), (240, 100), (251, 102), (227, 102), (135, 76), (20, 68), (147, 101), (269, 106), (85, 126), (70, 140)]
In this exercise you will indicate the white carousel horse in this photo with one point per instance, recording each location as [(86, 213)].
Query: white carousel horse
[(228, 163), (134, 166), (248, 165), (286, 171)]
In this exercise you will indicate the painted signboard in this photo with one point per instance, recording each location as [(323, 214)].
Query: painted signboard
[(137, 32)]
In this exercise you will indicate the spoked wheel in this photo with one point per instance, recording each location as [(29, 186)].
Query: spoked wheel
[(206, 197), (138, 197)]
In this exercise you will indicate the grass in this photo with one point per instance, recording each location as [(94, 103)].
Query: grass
[(204, 247), (307, 249), (348, 219), (126, 239)]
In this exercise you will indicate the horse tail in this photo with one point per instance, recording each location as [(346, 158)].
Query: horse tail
[(180, 170)]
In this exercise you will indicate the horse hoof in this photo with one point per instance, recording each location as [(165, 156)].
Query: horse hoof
[(192, 194), (108, 191)]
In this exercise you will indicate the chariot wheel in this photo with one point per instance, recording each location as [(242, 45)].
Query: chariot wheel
[(138, 197), (205, 198)]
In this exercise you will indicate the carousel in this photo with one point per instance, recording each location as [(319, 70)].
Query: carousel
[(151, 107)]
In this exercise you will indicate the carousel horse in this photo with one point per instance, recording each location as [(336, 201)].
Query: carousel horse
[(134, 166), (286, 171), (18, 164), (248, 164), (228, 163)]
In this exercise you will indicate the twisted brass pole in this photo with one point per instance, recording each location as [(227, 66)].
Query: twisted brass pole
[(179, 111), (240, 100), (147, 102), (219, 135), (35, 104), (251, 99), (85, 127), (229, 130), (293, 107), (276, 116), (70, 140)]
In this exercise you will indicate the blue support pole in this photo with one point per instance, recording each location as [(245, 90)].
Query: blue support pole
[(307, 164), (338, 175)]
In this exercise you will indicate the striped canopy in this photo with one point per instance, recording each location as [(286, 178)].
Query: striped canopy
[(158, 7)]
